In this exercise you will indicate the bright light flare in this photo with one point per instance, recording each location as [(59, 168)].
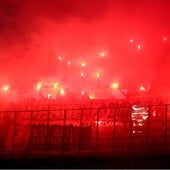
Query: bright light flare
[(131, 40), (82, 93), (62, 92), (97, 74), (144, 117), (83, 64), (164, 38), (114, 86), (49, 96), (91, 96), (139, 47), (140, 124), (56, 85), (39, 85), (142, 88), (82, 74), (102, 54), (6, 88), (98, 122), (60, 58), (68, 62)]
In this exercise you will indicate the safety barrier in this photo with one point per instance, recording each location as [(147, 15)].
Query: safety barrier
[(85, 131)]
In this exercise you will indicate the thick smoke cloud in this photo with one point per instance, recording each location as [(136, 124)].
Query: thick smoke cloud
[(34, 33)]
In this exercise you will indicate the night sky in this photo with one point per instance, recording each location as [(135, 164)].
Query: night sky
[(85, 46)]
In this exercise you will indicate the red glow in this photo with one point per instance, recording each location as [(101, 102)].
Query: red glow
[(154, 114), (164, 38), (71, 45), (90, 55)]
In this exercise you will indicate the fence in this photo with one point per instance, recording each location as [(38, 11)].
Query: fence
[(85, 131)]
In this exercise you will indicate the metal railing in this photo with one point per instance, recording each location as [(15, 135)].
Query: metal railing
[(84, 131)]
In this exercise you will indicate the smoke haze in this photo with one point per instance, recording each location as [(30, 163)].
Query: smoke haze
[(134, 35)]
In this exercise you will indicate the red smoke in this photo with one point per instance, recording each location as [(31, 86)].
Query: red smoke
[(124, 42)]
